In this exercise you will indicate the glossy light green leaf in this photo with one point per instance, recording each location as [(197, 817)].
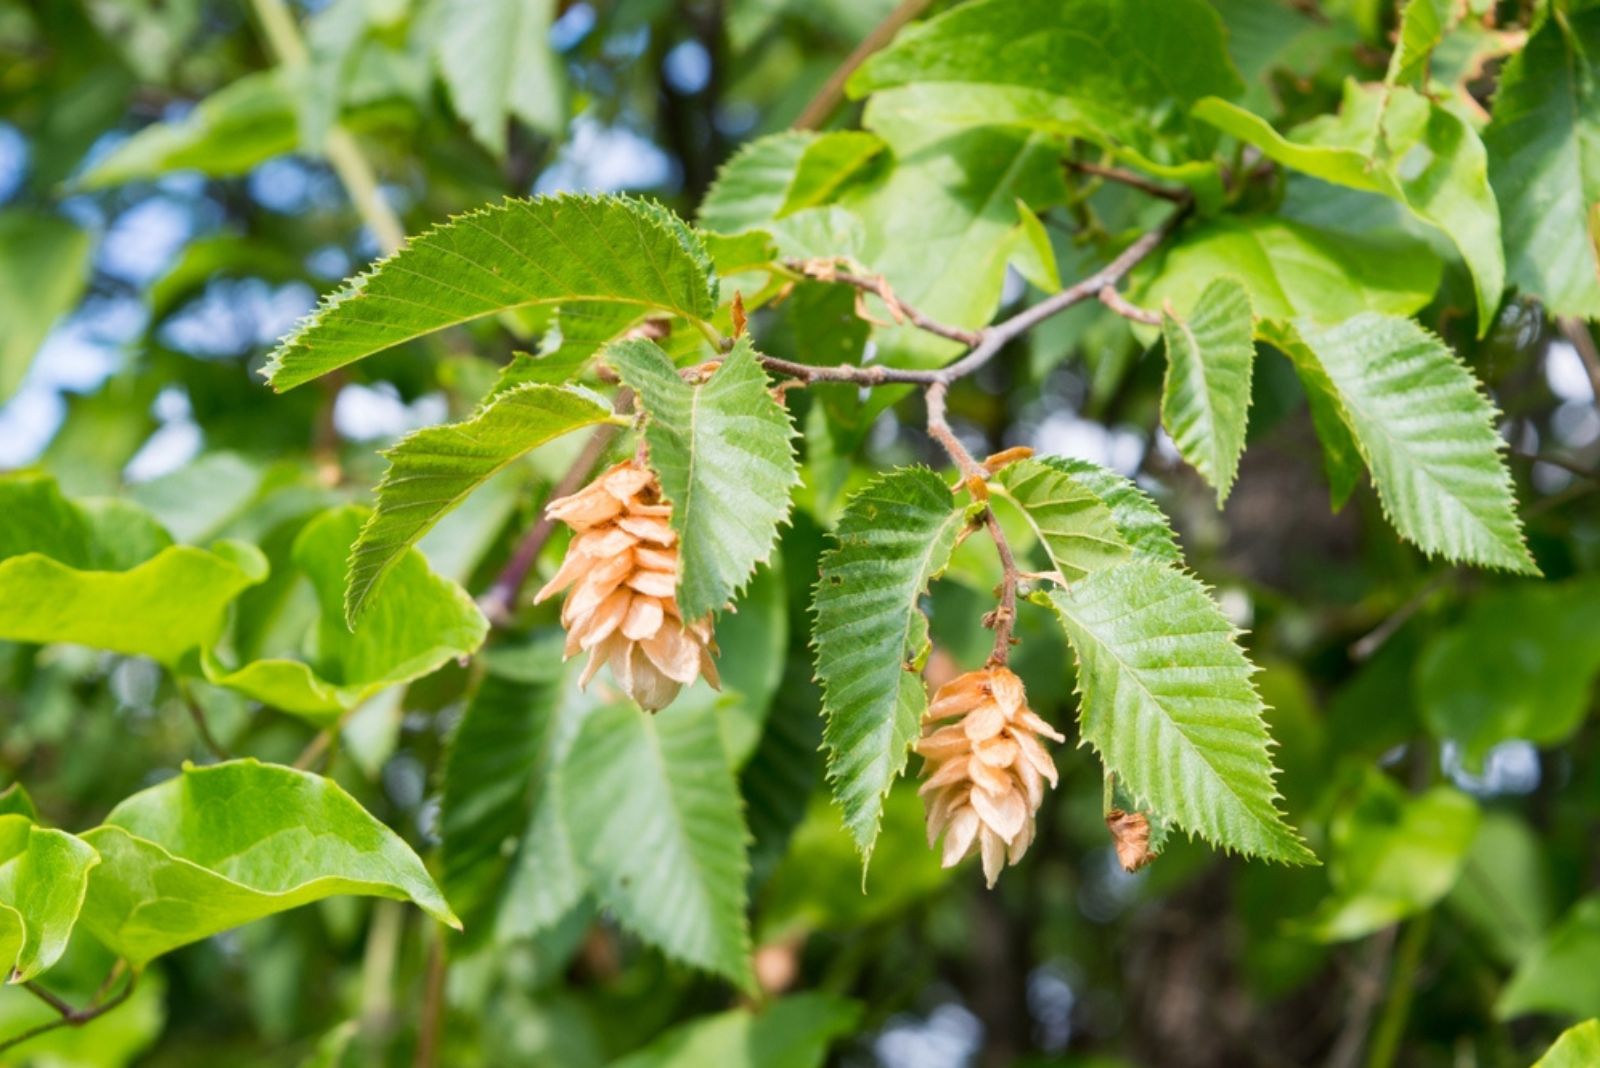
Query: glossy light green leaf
[(496, 60), (44, 265), (1165, 698), (421, 622), (106, 575), (1400, 144), (894, 536), (221, 845), (1559, 977), (43, 874), (1578, 1047), (722, 452), (940, 216), (241, 125), (792, 1032), (1544, 163), (654, 813), (1071, 523), (432, 470), (1422, 26), (500, 790), (1425, 430), (751, 187), (516, 254), (14, 801), (1539, 683), (1138, 519), (1291, 270), (1205, 403), (1082, 68), (1391, 855)]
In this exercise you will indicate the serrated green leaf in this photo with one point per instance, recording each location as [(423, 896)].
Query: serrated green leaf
[(1425, 430), (654, 812), (1205, 402), (751, 186), (1390, 855), (1537, 685), (722, 452), (243, 124), (219, 846), (792, 1032), (1081, 68), (1140, 521), (516, 254), (1559, 976), (1578, 1047), (432, 470), (1395, 142), (894, 535), (106, 575), (1544, 162), (499, 787), (44, 266), (43, 873), (1291, 270), (1073, 525), (1166, 700), (422, 622), (496, 60)]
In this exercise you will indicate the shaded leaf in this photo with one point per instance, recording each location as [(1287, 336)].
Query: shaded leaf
[(1138, 519), (496, 59), (792, 1032), (1205, 402), (1559, 976), (654, 813)]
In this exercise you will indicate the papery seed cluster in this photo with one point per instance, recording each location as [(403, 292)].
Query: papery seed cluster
[(622, 569)]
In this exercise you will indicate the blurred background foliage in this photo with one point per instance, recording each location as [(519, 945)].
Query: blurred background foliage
[(162, 224)]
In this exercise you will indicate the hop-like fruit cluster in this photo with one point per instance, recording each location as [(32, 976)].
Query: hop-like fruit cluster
[(986, 771), (622, 568)]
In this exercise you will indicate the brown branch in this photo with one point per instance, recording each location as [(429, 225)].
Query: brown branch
[(202, 728), (1119, 304), (1128, 178), (815, 113), (69, 1016), (499, 604), (430, 1027), (1004, 617), (898, 308)]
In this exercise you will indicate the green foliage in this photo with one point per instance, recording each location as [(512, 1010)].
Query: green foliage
[(894, 537), (1074, 526), (1391, 856), (497, 61), (1558, 976), (1374, 145), (1166, 700), (43, 875), (421, 622), (1138, 519), (44, 262), (1539, 684), (654, 815), (792, 1032), (1578, 1045), (1545, 166), (432, 470), (721, 450), (1206, 401), (1438, 468), (511, 256), (222, 845), (107, 576)]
